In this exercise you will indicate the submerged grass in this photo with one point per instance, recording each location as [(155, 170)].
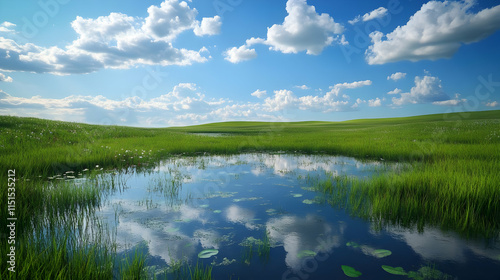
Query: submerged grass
[(451, 181)]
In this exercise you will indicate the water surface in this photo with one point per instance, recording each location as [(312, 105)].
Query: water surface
[(233, 203)]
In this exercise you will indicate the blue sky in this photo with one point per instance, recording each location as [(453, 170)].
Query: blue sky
[(169, 63)]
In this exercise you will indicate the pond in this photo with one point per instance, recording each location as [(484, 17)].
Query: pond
[(255, 216)]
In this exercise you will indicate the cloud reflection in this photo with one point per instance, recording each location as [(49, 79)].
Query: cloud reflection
[(297, 234)]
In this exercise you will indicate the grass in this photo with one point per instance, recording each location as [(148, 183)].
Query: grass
[(451, 180)]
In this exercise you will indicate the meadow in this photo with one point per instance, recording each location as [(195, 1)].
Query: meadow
[(449, 178)]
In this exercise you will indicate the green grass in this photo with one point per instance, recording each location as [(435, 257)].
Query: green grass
[(451, 180)]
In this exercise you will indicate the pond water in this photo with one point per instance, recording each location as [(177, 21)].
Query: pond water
[(261, 219)]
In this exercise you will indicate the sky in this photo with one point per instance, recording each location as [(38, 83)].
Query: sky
[(173, 63)]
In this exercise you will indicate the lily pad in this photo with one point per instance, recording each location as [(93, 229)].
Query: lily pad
[(381, 253), (217, 211), (308, 201), (394, 270), (204, 206), (350, 271), (297, 195), (172, 229), (205, 254), (306, 253), (352, 244)]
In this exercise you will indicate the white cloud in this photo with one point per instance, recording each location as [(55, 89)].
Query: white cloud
[(6, 27), (185, 104), (436, 31), (426, 90), (375, 102), (396, 76), (355, 20), (169, 20), (395, 91), (492, 104), (4, 78), (208, 26), (303, 29), (451, 102), (352, 85), (332, 101), (236, 55), (377, 13), (282, 99), (259, 93), (115, 41), (303, 87)]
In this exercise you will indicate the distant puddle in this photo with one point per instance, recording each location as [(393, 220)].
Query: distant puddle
[(211, 134), (251, 215)]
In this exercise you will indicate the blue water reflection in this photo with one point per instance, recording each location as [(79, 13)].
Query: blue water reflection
[(189, 204)]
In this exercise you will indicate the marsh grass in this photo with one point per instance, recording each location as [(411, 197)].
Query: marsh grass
[(433, 194), (264, 247)]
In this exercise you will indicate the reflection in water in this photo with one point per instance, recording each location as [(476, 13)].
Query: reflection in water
[(298, 235), (190, 204), (435, 245), (235, 214)]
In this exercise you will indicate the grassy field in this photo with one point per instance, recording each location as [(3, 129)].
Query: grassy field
[(452, 180)]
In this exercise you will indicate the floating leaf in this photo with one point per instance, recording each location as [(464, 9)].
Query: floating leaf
[(205, 254), (394, 270), (352, 244), (381, 253), (172, 229), (296, 195), (350, 271), (308, 201), (217, 211), (204, 206), (306, 253)]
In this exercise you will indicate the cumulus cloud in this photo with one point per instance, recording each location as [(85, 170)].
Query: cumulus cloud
[(396, 76), (377, 102), (426, 90), (185, 104), (303, 29), (331, 101), (236, 55), (208, 26), (4, 78), (259, 93), (395, 91), (115, 41), (436, 31), (492, 104), (377, 13)]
